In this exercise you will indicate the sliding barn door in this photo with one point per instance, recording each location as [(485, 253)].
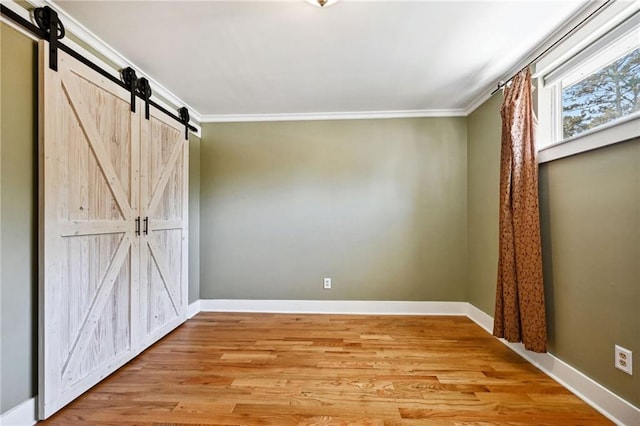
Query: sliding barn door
[(89, 170), (164, 203)]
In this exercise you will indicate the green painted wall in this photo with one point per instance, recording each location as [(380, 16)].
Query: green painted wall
[(194, 218), (377, 205), (18, 221), (484, 127), (590, 214), (590, 219)]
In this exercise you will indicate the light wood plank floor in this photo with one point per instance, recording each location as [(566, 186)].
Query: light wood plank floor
[(245, 369)]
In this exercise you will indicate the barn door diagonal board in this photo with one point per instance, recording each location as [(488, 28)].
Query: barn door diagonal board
[(97, 305), (87, 124), (161, 263), (163, 179)]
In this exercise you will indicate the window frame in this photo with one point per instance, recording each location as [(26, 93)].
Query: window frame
[(572, 68)]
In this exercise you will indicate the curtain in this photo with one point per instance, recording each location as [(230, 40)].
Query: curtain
[(519, 311)]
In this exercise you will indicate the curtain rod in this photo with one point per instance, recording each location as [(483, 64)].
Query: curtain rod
[(40, 33), (545, 51)]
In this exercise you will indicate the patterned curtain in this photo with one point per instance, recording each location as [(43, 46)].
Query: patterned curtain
[(520, 311)]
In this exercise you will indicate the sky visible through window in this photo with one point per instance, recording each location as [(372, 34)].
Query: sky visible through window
[(611, 93)]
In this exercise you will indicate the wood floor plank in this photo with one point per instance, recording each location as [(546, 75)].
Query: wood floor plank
[(278, 369)]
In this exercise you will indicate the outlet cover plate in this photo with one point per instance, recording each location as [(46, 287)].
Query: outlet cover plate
[(327, 283), (624, 359)]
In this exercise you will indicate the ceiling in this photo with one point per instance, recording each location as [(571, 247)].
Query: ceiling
[(265, 58)]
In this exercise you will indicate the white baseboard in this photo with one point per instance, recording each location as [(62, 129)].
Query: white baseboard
[(193, 309), (23, 414), (479, 317), (334, 307), (602, 399)]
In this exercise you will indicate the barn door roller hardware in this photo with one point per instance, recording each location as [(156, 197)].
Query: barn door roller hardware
[(130, 79), (184, 118), (144, 91), (47, 20)]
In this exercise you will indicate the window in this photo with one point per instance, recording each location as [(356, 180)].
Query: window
[(607, 95), (592, 98)]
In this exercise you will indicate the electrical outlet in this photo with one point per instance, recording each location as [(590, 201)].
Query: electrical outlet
[(624, 360), (327, 284)]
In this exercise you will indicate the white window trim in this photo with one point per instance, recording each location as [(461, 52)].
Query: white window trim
[(611, 133), (552, 146)]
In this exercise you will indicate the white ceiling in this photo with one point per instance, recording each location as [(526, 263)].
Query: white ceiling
[(289, 57)]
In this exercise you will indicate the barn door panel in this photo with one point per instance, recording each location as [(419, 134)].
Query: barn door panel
[(89, 145), (164, 180)]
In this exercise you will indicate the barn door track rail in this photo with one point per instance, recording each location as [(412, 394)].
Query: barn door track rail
[(49, 27)]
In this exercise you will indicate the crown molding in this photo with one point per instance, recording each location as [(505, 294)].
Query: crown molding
[(161, 94), (354, 115)]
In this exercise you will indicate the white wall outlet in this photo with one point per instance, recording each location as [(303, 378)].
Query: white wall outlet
[(624, 360), (327, 283)]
